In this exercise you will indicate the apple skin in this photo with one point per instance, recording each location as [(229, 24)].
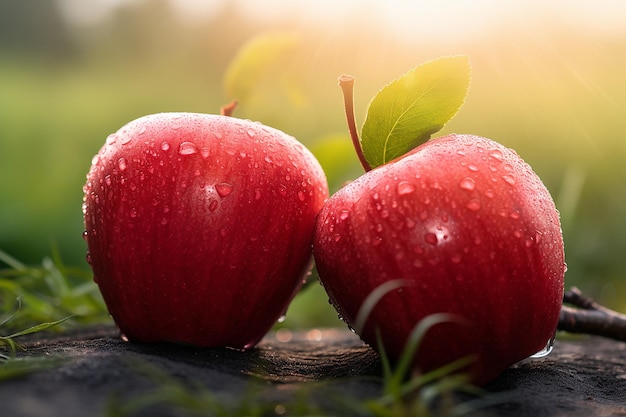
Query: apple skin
[(199, 227), (471, 230)]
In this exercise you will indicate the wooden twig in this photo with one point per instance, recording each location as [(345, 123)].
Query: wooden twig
[(587, 316)]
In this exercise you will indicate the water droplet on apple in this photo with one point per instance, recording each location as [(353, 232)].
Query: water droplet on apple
[(418, 263), (223, 189), (473, 204), (301, 195), (88, 258), (125, 139), (496, 154), (111, 139), (165, 146), (175, 123), (257, 194), (489, 193), (431, 238), (461, 152), (518, 233), (405, 187), (514, 215), (107, 180), (509, 179), (467, 184), (546, 350), (456, 258), (472, 168), (163, 221), (121, 164), (133, 212), (187, 148)]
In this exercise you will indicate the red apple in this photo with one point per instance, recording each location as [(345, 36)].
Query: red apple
[(470, 230), (199, 227)]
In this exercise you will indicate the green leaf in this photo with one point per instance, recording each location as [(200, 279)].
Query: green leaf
[(406, 112), (261, 57)]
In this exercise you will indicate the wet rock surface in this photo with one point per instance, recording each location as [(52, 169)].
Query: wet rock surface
[(95, 373)]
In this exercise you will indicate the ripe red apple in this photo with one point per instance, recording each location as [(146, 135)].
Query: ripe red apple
[(199, 227), (470, 230)]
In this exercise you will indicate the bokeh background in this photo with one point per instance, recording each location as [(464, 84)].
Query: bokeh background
[(548, 79)]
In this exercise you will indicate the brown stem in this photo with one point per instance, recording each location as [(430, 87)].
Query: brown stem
[(228, 109), (587, 316), (346, 82)]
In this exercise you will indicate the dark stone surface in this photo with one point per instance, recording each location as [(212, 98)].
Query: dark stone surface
[(100, 373)]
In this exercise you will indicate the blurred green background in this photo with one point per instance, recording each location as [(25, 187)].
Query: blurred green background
[(548, 79)]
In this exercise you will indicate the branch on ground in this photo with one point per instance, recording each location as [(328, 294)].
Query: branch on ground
[(585, 315)]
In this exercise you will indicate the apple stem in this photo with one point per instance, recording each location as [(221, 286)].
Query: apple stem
[(587, 316), (346, 82), (228, 109)]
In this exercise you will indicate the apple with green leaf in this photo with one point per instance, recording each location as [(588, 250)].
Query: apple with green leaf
[(199, 227), (456, 227)]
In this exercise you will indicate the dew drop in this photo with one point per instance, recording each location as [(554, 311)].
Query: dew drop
[(405, 187), (472, 168), (509, 179), (430, 238), (473, 204), (301, 195), (111, 139), (489, 193), (85, 235), (257, 194), (213, 205), (107, 180), (518, 233), (223, 189), (514, 215), (187, 148), (496, 154), (467, 184), (125, 139), (88, 258), (251, 133), (163, 221), (121, 164), (142, 130), (165, 146), (456, 258), (95, 159)]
